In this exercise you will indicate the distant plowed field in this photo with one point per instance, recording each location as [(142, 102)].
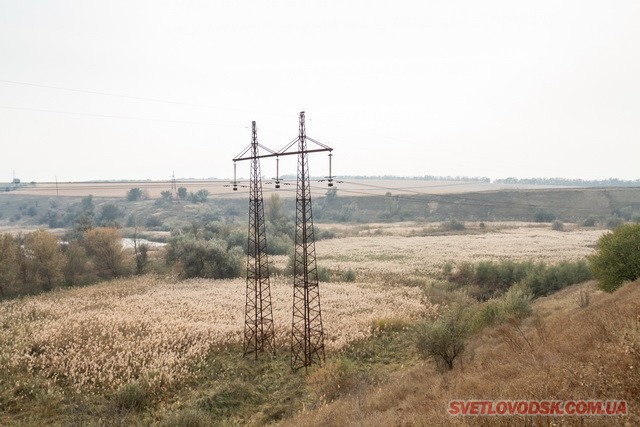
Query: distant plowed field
[(223, 188)]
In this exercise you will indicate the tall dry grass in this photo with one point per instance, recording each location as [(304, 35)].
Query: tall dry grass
[(102, 337), (397, 256)]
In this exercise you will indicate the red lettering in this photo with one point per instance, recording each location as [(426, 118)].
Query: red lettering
[(570, 407), (534, 408), (537, 407), (544, 407), (594, 407), (489, 408), (581, 407), (475, 408), (523, 407)]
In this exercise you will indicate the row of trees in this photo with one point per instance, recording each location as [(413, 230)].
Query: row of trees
[(38, 261), (200, 196)]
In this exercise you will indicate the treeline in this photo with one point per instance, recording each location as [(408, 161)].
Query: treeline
[(611, 182), (39, 261), (210, 247), (412, 178)]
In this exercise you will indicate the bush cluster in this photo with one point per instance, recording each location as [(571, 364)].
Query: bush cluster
[(617, 258), (196, 257), (488, 279), (37, 261), (445, 338)]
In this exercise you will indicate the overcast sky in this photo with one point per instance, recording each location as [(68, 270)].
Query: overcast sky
[(546, 88)]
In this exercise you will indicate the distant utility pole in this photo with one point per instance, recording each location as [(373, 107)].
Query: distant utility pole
[(174, 188)]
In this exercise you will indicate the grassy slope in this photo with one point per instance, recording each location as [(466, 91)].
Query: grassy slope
[(562, 352)]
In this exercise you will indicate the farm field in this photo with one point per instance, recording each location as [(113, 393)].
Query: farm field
[(93, 344), (222, 188)]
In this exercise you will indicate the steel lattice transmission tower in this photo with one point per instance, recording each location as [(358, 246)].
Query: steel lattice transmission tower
[(307, 335), (259, 333)]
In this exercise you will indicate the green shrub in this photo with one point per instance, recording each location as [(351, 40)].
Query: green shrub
[(200, 196), (624, 213), (349, 276), (447, 269), (557, 225), (452, 225), (153, 222), (182, 193), (132, 397), (489, 279), (279, 244), (613, 221), (323, 234), (617, 258), (445, 294), (212, 259), (136, 194), (463, 274), (548, 279), (323, 274), (444, 339), (516, 303), (488, 314), (589, 221), (542, 215)]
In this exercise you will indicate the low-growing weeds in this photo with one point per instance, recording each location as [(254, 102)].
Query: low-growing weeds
[(132, 397)]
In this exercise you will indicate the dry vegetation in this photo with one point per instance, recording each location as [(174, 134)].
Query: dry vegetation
[(395, 256), (104, 336), (562, 352), (180, 340)]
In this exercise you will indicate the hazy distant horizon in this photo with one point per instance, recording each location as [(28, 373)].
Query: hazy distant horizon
[(336, 178)]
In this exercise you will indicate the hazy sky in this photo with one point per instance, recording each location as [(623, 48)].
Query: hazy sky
[(478, 88)]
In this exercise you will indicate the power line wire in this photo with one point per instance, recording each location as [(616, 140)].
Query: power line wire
[(117, 95), (107, 116)]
